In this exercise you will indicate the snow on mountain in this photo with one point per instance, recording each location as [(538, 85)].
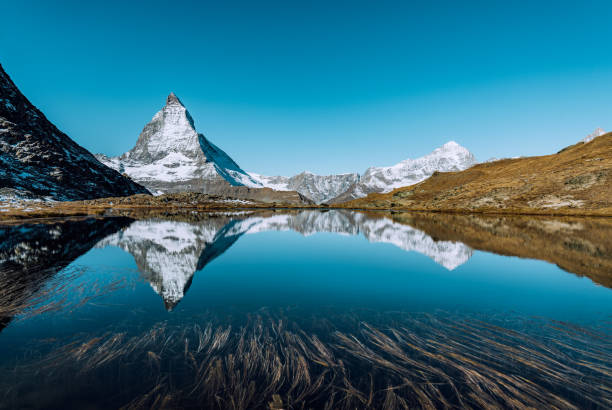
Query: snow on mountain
[(319, 188), (37, 160), (170, 156), (449, 157), (597, 133)]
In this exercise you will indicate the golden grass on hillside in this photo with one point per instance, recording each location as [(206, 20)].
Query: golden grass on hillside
[(575, 181)]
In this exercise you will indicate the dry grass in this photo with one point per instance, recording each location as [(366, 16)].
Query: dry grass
[(136, 206), (390, 361), (575, 181)]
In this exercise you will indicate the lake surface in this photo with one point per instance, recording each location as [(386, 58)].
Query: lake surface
[(308, 309)]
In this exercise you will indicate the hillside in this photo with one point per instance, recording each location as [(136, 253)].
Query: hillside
[(576, 180), (38, 160)]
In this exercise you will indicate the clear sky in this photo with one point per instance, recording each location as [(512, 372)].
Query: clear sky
[(322, 86)]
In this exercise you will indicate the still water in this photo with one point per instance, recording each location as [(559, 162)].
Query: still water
[(306, 309)]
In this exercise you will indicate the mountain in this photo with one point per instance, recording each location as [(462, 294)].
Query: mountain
[(449, 157), (170, 156), (576, 180), (38, 160), (319, 188)]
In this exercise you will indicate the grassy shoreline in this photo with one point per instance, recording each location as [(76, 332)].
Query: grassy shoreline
[(70, 209)]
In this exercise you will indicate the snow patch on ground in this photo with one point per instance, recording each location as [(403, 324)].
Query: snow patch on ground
[(597, 133)]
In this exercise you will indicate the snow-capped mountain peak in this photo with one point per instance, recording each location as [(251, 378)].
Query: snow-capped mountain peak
[(449, 157), (343, 187), (173, 100), (172, 129), (171, 156)]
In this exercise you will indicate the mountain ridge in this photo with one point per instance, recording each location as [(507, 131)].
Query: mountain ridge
[(449, 157), (39, 160), (575, 180)]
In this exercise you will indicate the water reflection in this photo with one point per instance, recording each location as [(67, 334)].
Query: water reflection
[(125, 352), (169, 253), (32, 254), (582, 246)]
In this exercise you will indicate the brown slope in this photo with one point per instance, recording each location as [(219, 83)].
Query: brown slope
[(577, 180)]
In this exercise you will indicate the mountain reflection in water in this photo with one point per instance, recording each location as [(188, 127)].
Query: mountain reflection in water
[(334, 323), (168, 253)]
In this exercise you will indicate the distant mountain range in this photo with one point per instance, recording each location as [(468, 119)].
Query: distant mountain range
[(38, 160), (576, 180), (171, 156), (449, 157), (319, 188)]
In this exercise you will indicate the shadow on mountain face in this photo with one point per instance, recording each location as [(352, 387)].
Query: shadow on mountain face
[(579, 245), (31, 254)]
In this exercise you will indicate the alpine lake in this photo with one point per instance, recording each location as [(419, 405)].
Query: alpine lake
[(306, 309)]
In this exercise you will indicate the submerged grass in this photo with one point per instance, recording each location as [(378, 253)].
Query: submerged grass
[(353, 360)]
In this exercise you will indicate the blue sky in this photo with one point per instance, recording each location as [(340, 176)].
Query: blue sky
[(319, 85)]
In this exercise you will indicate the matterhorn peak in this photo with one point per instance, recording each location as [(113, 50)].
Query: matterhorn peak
[(171, 156), (173, 100)]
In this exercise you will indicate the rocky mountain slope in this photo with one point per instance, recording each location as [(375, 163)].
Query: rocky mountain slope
[(576, 180), (38, 160), (319, 188), (449, 157)]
